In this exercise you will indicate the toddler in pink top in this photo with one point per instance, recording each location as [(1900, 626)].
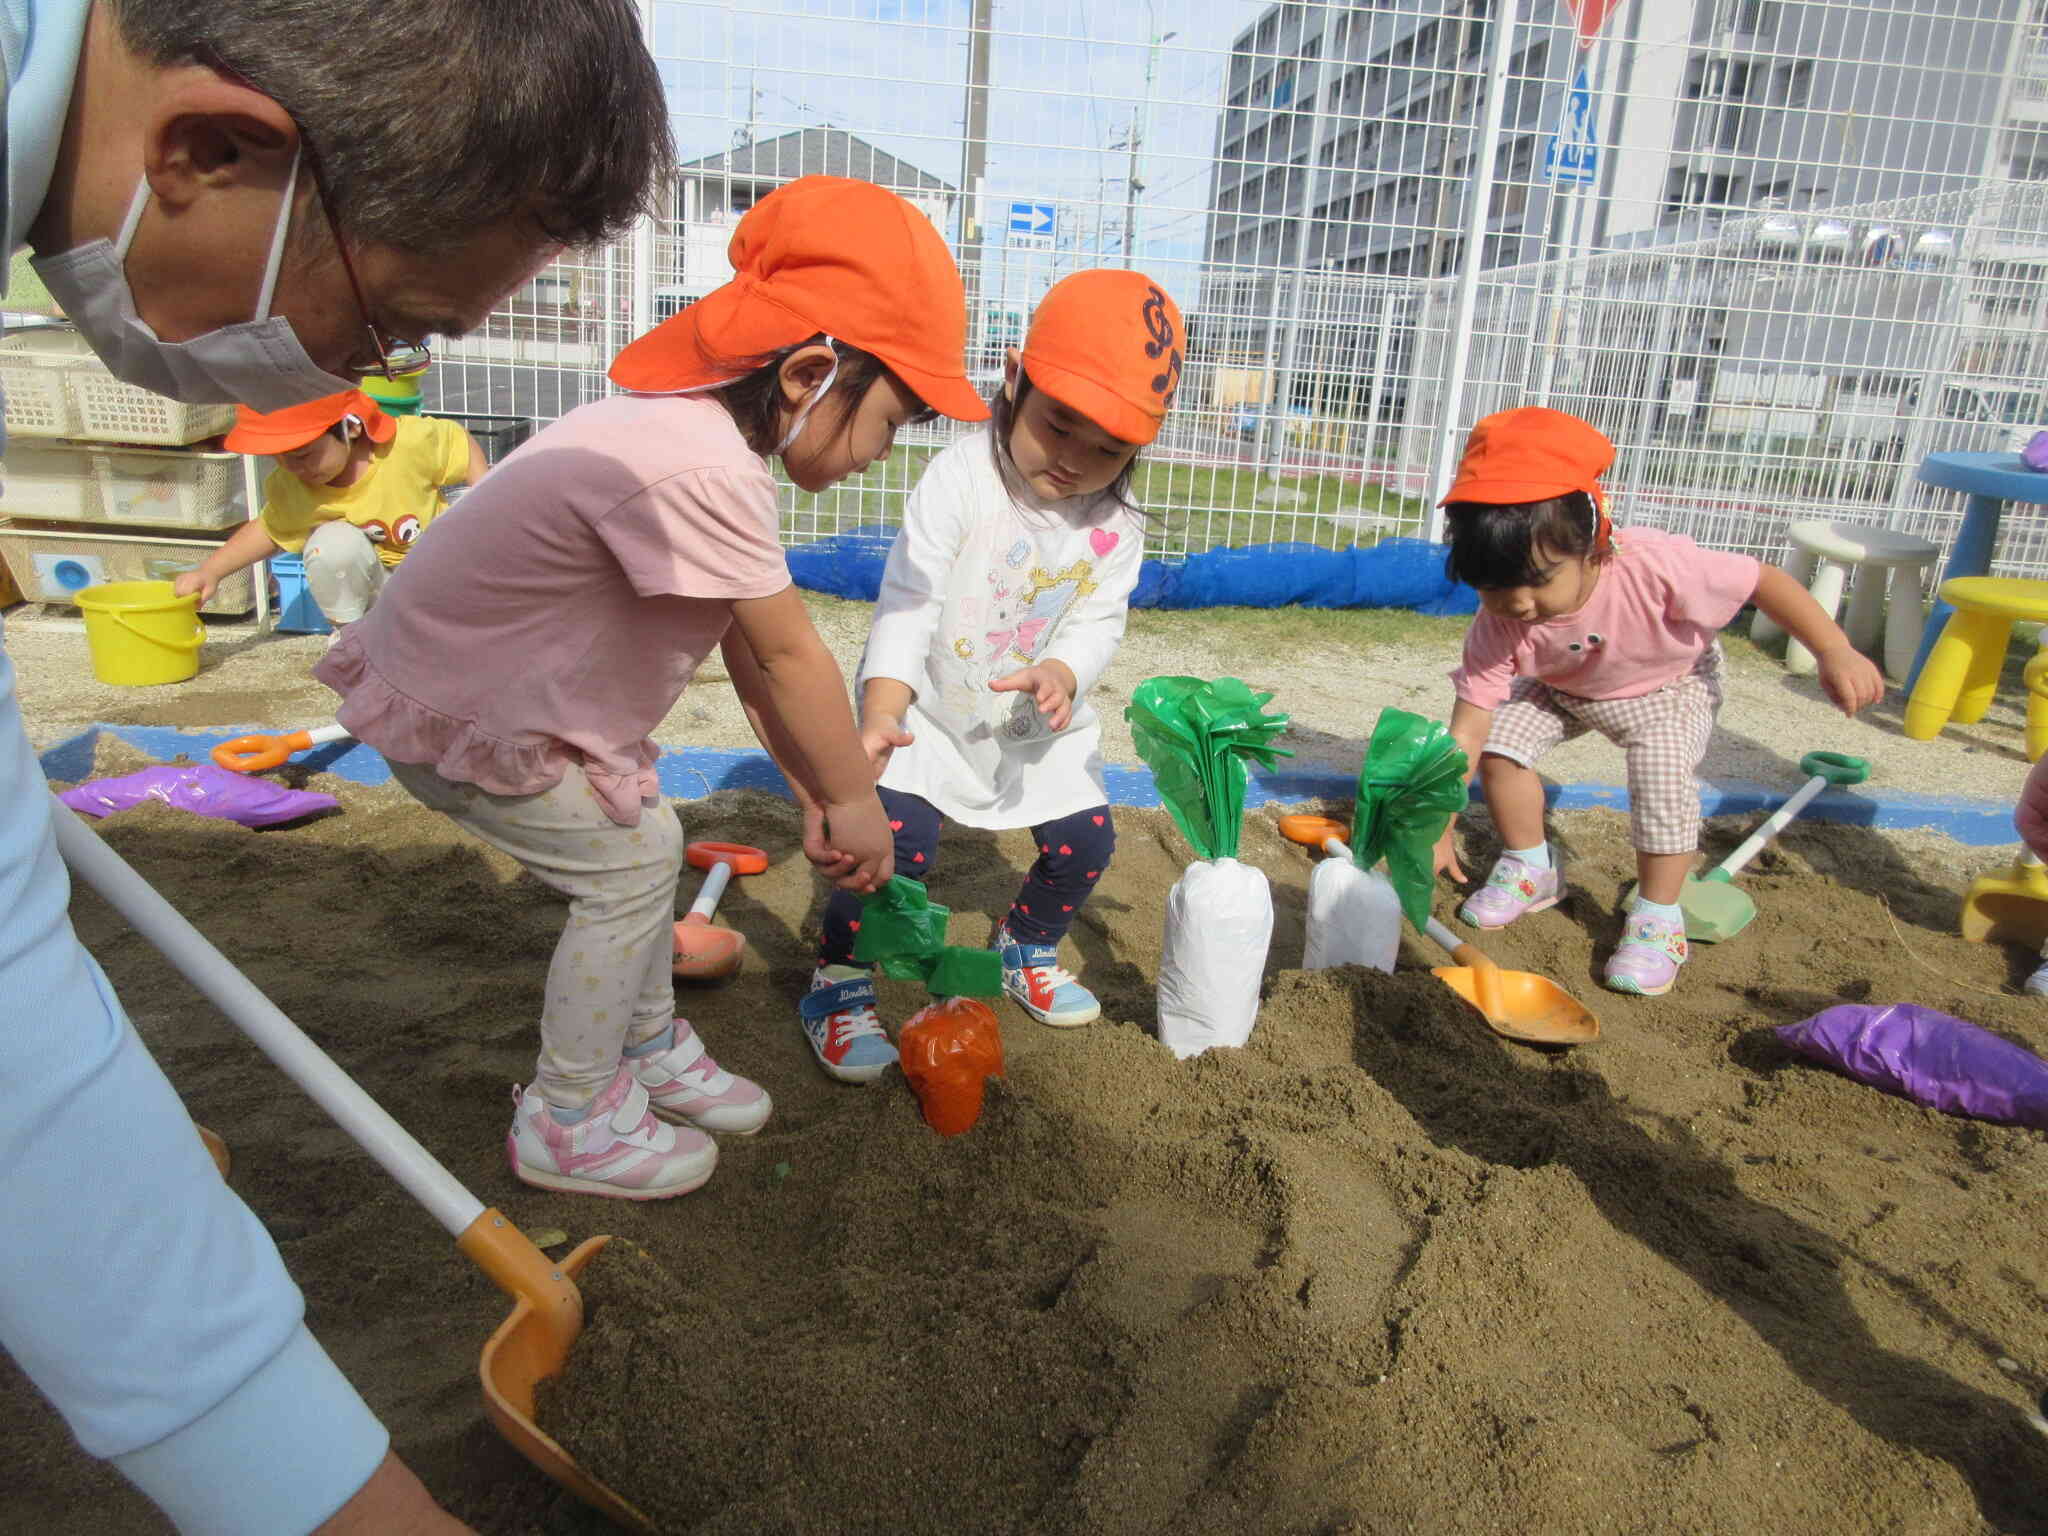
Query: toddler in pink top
[(512, 677), (1582, 628)]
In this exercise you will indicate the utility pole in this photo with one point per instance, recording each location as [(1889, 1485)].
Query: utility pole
[(1133, 185), (974, 159)]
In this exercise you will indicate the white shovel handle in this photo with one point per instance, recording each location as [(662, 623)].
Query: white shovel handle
[(412, 1165), (715, 879), (320, 735), (1775, 823)]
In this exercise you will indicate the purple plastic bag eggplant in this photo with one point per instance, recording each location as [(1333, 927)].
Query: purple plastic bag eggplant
[(1929, 1058), (202, 789)]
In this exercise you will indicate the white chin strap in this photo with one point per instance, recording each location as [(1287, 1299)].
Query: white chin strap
[(804, 412)]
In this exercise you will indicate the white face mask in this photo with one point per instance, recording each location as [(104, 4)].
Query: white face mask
[(804, 412), (258, 363)]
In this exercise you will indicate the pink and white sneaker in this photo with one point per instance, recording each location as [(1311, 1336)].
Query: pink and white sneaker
[(1646, 961), (620, 1149), (686, 1087), (1514, 889)]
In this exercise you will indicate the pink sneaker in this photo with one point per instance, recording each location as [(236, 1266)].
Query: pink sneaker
[(685, 1086), (619, 1149), (1513, 890), (1646, 961)]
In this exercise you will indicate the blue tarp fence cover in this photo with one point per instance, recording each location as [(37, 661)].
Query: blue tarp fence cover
[(1394, 573)]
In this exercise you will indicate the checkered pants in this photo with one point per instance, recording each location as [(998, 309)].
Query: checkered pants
[(1664, 734)]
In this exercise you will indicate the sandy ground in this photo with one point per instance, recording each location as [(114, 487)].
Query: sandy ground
[(1381, 1271), (1332, 691)]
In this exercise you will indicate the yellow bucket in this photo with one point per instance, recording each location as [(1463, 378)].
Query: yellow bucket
[(140, 632)]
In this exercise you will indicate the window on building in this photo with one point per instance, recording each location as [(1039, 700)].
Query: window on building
[(1796, 83)]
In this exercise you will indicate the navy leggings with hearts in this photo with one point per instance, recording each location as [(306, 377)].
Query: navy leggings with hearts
[(1072, 854)]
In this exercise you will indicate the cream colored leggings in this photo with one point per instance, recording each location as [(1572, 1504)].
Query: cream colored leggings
[(610, 984)]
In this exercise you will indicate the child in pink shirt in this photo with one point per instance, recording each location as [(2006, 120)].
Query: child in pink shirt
[(511, 677), (1583, 628)]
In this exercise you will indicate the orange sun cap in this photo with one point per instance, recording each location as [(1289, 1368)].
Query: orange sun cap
[(823, 254), (1533, 454), (1108, 343), (297, 425)]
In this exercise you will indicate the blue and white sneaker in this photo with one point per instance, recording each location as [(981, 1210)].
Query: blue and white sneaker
[(1038, 984), (839, 1020)]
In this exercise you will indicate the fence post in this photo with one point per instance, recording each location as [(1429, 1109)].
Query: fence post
[(1477, 213)]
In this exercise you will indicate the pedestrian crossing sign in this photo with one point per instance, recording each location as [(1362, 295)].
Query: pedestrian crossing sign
[(1573, 158)]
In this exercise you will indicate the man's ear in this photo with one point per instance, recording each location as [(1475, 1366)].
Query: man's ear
[(205, 132), (804, 370)]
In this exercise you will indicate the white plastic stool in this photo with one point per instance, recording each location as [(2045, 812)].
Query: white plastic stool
[(1823, 552)]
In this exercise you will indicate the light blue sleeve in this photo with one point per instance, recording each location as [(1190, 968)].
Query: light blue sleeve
[(142, 1297)]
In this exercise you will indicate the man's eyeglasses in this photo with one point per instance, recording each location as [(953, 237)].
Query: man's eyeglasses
[(387, 356)]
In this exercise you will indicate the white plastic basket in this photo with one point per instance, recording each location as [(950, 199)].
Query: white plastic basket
[(35, 373), (49, 480), (169, 490), (50, 564), (112, 412)]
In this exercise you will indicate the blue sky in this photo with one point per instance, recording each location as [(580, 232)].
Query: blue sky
[(1065, 82)]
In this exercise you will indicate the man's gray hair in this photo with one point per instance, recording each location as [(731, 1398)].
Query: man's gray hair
[(431, 119)]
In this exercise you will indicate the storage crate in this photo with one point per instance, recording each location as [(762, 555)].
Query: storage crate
[(496, 435), (297, 613), (51, 563), (35, 371), (112, 412), (49, 480), (169, 490)]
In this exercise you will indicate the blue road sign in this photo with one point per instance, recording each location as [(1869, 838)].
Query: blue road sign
[(1573, 158), (1031, 219)]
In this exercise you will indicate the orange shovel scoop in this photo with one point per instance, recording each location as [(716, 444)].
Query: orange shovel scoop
[(1517, 1005), (704, 951)]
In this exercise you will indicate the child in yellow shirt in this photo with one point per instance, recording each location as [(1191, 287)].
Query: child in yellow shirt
[(353, 490)]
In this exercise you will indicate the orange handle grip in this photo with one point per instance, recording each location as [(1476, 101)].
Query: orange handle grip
[(254, 754)]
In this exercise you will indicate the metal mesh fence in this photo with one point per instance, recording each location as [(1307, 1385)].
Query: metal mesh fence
[(1777, 249)]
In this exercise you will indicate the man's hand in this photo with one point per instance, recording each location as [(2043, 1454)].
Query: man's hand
[(1051, 685), (880, 735), (1850, 678)]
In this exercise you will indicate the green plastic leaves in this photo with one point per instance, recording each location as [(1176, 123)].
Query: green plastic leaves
[(1195, 737), (904, 930), (1412, 783)]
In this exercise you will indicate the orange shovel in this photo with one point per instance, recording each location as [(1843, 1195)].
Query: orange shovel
[(703, 950), (1517, 1005), (547, 1315), (256, 754)]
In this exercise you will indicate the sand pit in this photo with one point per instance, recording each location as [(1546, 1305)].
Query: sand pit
[(1378, 1272)]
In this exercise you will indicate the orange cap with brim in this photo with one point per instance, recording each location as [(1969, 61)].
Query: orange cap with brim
[(1108, 343), (297, 425), (830, 255), (1532, 454)]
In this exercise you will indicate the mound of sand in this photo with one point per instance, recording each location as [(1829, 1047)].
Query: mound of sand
[(1379, 1271)]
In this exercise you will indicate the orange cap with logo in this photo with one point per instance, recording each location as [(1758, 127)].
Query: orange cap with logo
[(297, 425), (831, 255), (1108, 343), (1533, 454)]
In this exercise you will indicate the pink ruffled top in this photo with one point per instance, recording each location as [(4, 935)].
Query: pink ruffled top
[(553, 617)]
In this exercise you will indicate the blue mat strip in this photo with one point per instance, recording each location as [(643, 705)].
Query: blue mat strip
[(687, 773)]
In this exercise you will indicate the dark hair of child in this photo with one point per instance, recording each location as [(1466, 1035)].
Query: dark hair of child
[(755, 396), (1493, 547), (1003, 413)]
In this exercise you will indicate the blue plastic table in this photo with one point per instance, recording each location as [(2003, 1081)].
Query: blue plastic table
[(1989, 480)]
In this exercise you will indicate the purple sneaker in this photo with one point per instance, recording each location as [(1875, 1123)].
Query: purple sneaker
[(1513, 890), (1646, 961)]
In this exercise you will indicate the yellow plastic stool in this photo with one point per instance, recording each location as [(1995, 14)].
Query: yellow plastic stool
[(1962, 670)]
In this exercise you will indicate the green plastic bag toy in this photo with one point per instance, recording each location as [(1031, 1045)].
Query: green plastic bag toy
[(1195, 736), (904, 931), (1411, 785)]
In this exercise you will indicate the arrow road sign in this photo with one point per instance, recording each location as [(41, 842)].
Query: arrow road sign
[(1031, 223)]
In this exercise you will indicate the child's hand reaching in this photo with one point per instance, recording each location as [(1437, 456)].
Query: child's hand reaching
[(185, 583), (1444, 861), (857, 831), (1850, 678), (1050, 683), (880, 736)]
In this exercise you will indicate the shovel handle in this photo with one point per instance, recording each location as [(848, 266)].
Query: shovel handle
[(256, 754), (1774, 823), (149, 914)]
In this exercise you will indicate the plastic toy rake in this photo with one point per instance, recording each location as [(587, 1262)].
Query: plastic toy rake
[(547, 1314)]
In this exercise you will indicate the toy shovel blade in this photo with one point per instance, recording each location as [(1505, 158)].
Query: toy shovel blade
[(1530, 1008), (2009, 904), (1714, 909)]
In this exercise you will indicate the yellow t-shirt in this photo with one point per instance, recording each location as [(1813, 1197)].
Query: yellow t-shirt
[(398, 495)]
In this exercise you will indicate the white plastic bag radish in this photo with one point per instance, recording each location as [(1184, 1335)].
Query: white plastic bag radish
[(1195, 736), (1354, 917)]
